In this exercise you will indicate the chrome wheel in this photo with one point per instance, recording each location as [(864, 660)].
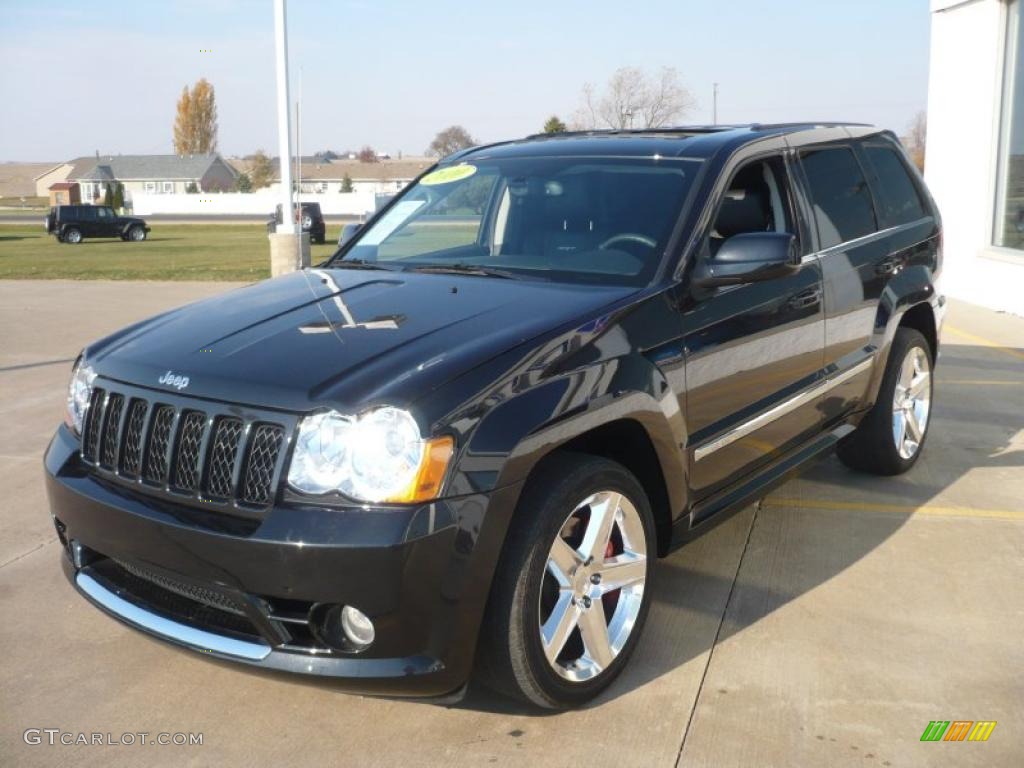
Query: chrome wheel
[(137, 234), (593, 586), (72, 236), (911, 403)]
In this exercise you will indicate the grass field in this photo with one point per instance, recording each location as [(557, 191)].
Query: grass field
[(172, 252)]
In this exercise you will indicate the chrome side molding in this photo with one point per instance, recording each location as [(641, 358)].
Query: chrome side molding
[(787, 406), (166, 628)]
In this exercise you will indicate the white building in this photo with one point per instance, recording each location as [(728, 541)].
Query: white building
[(141, 174), (975, 153), (385, 177)]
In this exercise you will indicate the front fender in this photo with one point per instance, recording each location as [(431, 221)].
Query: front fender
[(516, 434)]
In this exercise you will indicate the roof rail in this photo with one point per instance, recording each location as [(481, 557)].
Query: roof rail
[(810, 124), (638, 131)]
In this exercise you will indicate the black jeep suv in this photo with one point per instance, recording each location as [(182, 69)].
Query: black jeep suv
[(309, 217), (461, 443), (74, 223)]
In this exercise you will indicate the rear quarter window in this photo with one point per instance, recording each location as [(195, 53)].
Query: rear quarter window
[(897, 196), (843, 209)]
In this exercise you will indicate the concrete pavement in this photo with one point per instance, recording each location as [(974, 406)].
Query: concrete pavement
[(826, 627)]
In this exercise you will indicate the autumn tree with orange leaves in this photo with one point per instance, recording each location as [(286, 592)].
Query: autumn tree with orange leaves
[(195, 125)]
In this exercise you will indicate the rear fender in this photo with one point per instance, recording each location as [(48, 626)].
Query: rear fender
[(911, 287)]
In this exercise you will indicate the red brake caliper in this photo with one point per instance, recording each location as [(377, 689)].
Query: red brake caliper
[(610, 599)]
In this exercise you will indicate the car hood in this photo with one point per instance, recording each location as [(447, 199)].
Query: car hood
[(341, 337)]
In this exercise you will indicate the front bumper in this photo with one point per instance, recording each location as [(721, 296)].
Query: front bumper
[(255, 591)]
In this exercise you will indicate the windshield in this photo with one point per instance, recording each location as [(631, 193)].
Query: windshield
[(570, 219)]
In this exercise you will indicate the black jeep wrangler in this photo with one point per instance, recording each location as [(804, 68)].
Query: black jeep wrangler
[(74, 223), (308, 216), (459, 445)]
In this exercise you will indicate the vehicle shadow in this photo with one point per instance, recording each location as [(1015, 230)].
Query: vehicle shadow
[(729, 579), (702, 596)]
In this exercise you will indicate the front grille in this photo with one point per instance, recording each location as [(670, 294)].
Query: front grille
[(207, 454), (183, 602), (204, 595)]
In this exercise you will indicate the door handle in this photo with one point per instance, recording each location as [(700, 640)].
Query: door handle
[(888, 265), (805, 299)]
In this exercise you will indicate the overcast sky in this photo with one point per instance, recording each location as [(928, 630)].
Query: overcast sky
[(78, 77)]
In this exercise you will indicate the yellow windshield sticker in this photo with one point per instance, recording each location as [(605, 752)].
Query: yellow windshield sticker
[(448, 175)]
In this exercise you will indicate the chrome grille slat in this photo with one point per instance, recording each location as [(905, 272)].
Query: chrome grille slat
[(93, 420), (227, 435), (186, 467), (111, 429), (261, 459), (203, 453), (159, 440), (131, 458)]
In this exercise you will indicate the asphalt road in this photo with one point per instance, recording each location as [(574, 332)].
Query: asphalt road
[(825, 627), (36, 217)]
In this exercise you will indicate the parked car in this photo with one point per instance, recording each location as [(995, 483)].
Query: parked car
[(309, 218), (73, 223), (457, 447)]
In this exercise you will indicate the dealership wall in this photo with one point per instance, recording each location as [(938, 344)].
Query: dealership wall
[(263, 202), (964, 104)]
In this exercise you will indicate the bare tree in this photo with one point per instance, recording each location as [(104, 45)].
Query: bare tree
[(450, 140), (367, 155), (917, 138), (633, 98)]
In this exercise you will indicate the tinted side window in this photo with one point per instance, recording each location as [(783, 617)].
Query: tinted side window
[(839, 195), (86, 213), (895, 192)]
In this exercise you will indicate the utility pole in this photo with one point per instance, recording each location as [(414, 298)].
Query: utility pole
[(284, 144), (714, 104), (289, 245)]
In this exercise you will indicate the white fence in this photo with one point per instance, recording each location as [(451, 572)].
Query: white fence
[(262, 202)]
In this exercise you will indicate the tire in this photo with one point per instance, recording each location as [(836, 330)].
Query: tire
[(136, 234), (530, 591), (72, 235), (891, 436)]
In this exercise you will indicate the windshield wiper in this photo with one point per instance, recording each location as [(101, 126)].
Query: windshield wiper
[(358, 264), (463, 269)]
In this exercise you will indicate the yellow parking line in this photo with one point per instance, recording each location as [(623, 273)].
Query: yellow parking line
[(926, 510), (982, 341)]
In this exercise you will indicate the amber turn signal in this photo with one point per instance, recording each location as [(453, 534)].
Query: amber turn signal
[(427, 483)]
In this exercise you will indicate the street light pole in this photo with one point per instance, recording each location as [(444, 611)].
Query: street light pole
[(714, 104), (287, 224)]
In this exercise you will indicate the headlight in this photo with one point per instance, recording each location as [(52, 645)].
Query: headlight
[(378, 456), (79, 393)]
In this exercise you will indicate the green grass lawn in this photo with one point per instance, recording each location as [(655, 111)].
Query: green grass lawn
[(172, 252), (30, 210)]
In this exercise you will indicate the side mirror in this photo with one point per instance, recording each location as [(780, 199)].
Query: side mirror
[(348, 231), (750, 258)]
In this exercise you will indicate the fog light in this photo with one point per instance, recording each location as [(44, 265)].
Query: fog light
[(357, 627)]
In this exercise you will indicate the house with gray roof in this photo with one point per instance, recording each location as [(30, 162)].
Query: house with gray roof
[(148, 174)]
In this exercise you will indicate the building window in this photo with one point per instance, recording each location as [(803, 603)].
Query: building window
[(168, 187), (1009, 218), (149, 187)]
